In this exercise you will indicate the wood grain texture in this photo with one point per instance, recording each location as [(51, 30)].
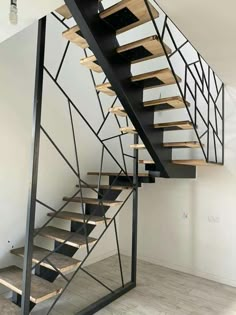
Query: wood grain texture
[(138, 146), (64, 11), (146, 162), (93, 201), (188, 144), (137, 7), (118, 110), (61, 262), (185, 125), (128, 130), (175, 102), (95, 186), (8, 308), (193, 162), (71, 238), (73, 36), (165, 75), (78, 217), (106, 89), (151, 44), (91, 63), (41, 290)]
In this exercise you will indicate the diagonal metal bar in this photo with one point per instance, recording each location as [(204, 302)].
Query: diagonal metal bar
[(97, 280), (119, 256), (62, 60)]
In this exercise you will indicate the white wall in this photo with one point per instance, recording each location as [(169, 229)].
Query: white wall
[(175, 216)]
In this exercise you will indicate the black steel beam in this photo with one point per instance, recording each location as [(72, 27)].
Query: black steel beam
[(102, 41), (29, 237)]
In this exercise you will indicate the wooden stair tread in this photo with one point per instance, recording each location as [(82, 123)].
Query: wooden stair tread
[(74, 35), (8, 308), (127, 14), (118, 110), (93, 201), (175, 125), (137, 51), (61, 262), (78, 217), (108, 187), (138, 146), (146, 162), (116, 174), (128, 130), (41, 290), (64, 11), (188, 144), (147, 80), (167, 103), (105, 88), (155, 78), (75, 239), (192, 162)]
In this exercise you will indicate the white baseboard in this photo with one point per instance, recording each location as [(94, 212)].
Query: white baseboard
[(185, 269)]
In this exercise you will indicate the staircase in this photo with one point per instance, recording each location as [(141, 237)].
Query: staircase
[(96, 29)]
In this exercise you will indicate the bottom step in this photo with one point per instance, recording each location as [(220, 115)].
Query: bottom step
[(41, 290), (8, 308)]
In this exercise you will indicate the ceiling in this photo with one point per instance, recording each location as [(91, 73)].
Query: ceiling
[(210, 25), (29, 12)]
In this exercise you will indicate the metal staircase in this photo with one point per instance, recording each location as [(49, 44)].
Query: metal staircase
[(96, 32)]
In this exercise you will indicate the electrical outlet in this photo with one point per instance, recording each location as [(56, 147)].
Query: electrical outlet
[(213, 219)]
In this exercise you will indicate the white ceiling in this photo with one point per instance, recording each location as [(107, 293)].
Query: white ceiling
[(29, 12), (210, 25)]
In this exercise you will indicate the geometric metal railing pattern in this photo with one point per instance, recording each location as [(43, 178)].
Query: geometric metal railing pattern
[(200, 86), (132, 179)]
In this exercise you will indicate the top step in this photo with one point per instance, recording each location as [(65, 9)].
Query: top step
[(127, 14)]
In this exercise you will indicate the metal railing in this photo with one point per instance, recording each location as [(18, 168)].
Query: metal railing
[(31, 233), (200, 87)]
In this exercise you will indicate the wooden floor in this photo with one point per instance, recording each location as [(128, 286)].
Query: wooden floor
[(160, 291)]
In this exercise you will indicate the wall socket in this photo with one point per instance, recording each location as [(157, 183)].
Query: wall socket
[(213, 219)]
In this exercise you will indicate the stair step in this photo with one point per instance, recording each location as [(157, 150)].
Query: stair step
[(175, 125), (8, 308), (147, 80), (78, 217), (138, 51), (106, 89), (74, 239), (92, 201), (127, 14), (191, 162), (61, 262), (138, 146), (181, 145), (64, 11), (116, 174), (41, 290), (146, 162), (108, 187), (128, 130), (118, 110), (75, 36), (155, 78), (174, 102)]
